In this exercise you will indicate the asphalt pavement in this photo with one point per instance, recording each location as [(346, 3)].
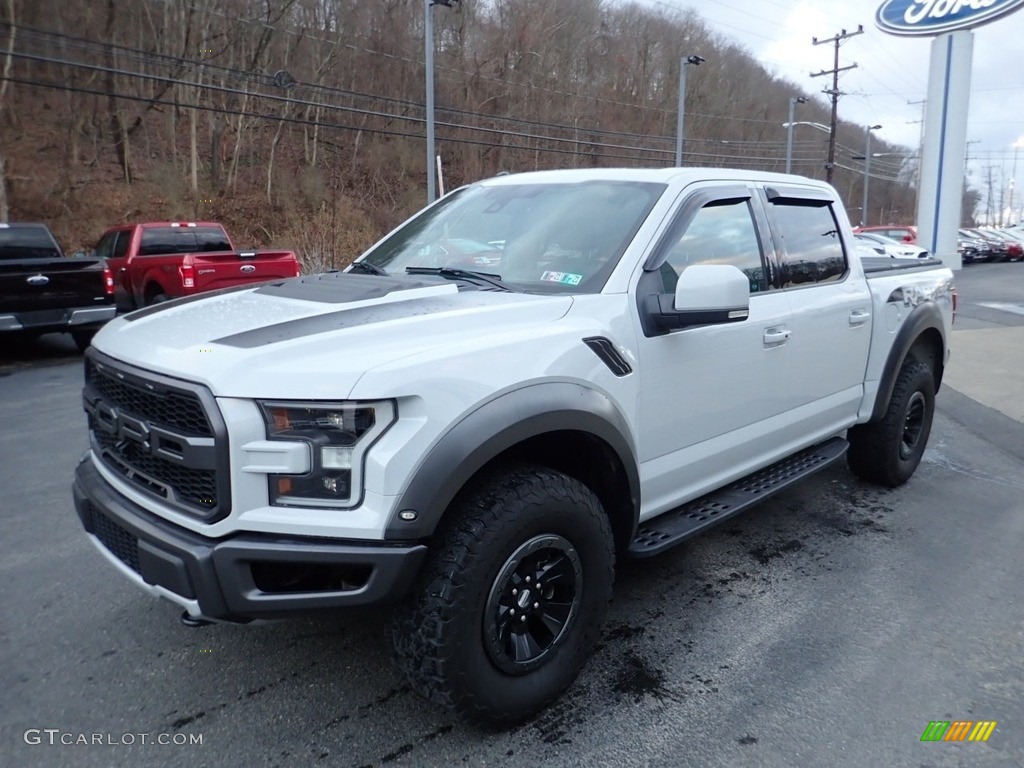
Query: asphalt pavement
[(828, 626)]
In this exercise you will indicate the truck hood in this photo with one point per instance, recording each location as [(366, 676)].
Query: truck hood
[(323, 330)]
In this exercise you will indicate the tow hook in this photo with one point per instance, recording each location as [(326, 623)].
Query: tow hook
[(191, 621)]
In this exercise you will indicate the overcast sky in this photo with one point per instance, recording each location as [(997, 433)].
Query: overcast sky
[(892, 71)]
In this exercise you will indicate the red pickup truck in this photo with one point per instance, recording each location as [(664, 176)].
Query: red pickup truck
[(158, 261)]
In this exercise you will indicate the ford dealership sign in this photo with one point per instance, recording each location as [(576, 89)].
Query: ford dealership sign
[(936, 17)]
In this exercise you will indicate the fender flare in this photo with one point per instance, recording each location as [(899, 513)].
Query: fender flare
[(924, 317), (493, 428)]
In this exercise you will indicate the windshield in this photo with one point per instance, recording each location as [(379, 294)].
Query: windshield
[(550, 238)]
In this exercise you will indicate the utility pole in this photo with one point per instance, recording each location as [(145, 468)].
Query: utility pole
[(988, 200), (967, 177), (923, 103), (834, 93)]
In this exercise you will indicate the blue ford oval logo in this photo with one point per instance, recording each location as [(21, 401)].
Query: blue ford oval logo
[(936, 17)]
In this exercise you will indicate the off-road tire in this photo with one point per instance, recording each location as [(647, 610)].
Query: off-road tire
[(887, 452), (447, 634)]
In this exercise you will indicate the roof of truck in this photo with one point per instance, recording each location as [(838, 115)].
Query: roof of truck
[(657, 175)]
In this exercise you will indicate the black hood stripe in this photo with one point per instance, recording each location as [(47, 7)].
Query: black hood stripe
[(351, 318)]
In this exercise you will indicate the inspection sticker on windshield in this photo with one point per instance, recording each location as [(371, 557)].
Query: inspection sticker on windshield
[(566, 278)]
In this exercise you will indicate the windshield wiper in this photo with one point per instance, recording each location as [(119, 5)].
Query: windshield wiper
[(368, 268), (462, 274)]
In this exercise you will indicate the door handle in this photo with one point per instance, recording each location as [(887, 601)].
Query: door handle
[(774, 337), (859, 317)]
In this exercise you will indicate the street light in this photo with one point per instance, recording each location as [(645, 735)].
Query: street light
[(818, 126), (695, 60), (867, 172), (793, 101), (428, 56)]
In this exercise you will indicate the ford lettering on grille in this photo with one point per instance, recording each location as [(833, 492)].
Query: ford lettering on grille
[(936, 17)]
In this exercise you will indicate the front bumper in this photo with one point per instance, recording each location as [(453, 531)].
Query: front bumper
[(245, 576)]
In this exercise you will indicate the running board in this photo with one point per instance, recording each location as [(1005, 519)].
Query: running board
[(677, 525)]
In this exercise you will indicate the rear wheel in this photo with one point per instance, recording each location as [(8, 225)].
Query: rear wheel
[(156, 296), (888, 451), (512, 597)]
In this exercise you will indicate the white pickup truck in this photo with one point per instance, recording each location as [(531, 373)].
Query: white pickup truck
[(528, 380)]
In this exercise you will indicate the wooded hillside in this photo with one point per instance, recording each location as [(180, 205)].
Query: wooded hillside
[(300, 123)]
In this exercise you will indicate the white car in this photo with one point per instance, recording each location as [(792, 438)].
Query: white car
[(652, 352), (886, 246)]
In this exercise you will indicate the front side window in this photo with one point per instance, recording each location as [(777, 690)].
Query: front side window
[(105, 247), (543, 238), (722, 232), (812, 248)]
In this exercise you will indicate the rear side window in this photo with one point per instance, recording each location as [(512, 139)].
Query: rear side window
[(812, 250), (121, 246)]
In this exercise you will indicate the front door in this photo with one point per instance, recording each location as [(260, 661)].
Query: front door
[(711, 395)]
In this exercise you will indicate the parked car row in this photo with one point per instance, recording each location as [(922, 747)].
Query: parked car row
[(132, 266), (991, 245)]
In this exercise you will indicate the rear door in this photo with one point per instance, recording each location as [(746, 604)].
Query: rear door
[(831, 304), (113, 248)]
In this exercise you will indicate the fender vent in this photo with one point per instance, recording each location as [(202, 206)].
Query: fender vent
[(609, 355)]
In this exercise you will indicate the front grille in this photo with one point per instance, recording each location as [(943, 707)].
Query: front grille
[(163, 436), (196, 487), (120, 542), (180, 411)]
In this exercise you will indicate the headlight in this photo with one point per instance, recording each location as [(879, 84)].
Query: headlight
[(338, 434)]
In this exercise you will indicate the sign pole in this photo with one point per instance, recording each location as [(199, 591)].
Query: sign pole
[(945, 145)]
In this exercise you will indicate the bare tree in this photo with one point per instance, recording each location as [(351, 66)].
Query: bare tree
[(8, 62)]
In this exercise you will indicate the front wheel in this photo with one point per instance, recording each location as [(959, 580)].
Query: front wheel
[(512, 597), (888, 451)]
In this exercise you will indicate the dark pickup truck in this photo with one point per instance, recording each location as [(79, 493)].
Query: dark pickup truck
[(42, 291)]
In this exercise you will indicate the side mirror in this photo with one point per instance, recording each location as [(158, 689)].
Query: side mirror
[(706, 294)]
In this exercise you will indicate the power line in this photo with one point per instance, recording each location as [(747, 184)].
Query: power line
[(142, 56)]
